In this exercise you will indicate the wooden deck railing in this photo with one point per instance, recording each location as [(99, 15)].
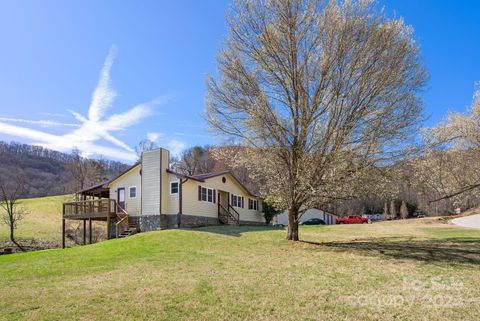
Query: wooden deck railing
[(97, 207)]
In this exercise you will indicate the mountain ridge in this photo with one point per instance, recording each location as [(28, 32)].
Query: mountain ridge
[(45, 170)]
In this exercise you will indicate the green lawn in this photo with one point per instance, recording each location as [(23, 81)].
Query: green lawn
[(384, 271)]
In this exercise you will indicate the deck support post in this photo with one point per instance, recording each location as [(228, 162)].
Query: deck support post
[(84, 232), (108, 226), (90, 230), (63, 233)]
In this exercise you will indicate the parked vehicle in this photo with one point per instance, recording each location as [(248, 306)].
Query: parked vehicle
[(352, 219), (374, 217), (418, 214), (313, 221)]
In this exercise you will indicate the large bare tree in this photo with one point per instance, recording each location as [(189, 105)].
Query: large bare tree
[(10, 193), (320, 92)]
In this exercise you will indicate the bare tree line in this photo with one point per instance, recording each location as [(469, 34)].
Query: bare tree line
[(48, 172)]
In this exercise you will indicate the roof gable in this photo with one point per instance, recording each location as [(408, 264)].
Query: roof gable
[(125, 173)]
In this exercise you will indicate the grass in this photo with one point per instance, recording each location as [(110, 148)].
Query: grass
[(41, 227), (382, 271), (42, 223)]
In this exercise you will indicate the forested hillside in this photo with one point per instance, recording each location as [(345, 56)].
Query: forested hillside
[(47, 172)]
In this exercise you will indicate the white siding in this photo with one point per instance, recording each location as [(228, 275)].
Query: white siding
[(151, 172), (132, 178), (170, 202), (192, 206)]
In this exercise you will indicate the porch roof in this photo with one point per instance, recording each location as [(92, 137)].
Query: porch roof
[(101, 190)]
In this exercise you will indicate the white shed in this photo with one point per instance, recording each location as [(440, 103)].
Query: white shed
[(328, 218)]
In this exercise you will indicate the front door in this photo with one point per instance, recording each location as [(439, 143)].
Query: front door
[(222, 199), (121, 197)]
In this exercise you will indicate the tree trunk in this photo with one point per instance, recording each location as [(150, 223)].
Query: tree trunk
[(292, 224), (12, 238)]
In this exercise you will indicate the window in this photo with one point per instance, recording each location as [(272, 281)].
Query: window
[(237, 201), (252, 204), (173, 187), (206, 194), (132, 192)]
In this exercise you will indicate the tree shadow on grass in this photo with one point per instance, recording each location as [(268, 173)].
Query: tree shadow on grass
[(236, 231), (459, 250)]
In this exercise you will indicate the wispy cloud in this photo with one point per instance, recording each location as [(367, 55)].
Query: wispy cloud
[(53, 115), (103, 96), (43, 123), (92, 129)]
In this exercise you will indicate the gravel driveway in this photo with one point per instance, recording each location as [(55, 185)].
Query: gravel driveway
[(472, 221)]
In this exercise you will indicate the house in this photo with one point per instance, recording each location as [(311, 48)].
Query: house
[(150, 196), (328, 218)]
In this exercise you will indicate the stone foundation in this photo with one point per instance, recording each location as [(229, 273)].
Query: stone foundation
[(154, 222), (163, 221), (168, 221), (146, 222), (198, 221)]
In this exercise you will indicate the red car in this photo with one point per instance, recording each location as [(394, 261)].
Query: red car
[(352, 219)]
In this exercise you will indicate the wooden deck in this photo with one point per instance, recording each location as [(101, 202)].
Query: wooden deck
[(103, 209), (100, 209)]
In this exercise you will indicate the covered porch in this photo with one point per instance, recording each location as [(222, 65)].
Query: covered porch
[(94, 204)]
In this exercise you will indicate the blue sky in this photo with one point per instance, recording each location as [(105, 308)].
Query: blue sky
[(53, 53)]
